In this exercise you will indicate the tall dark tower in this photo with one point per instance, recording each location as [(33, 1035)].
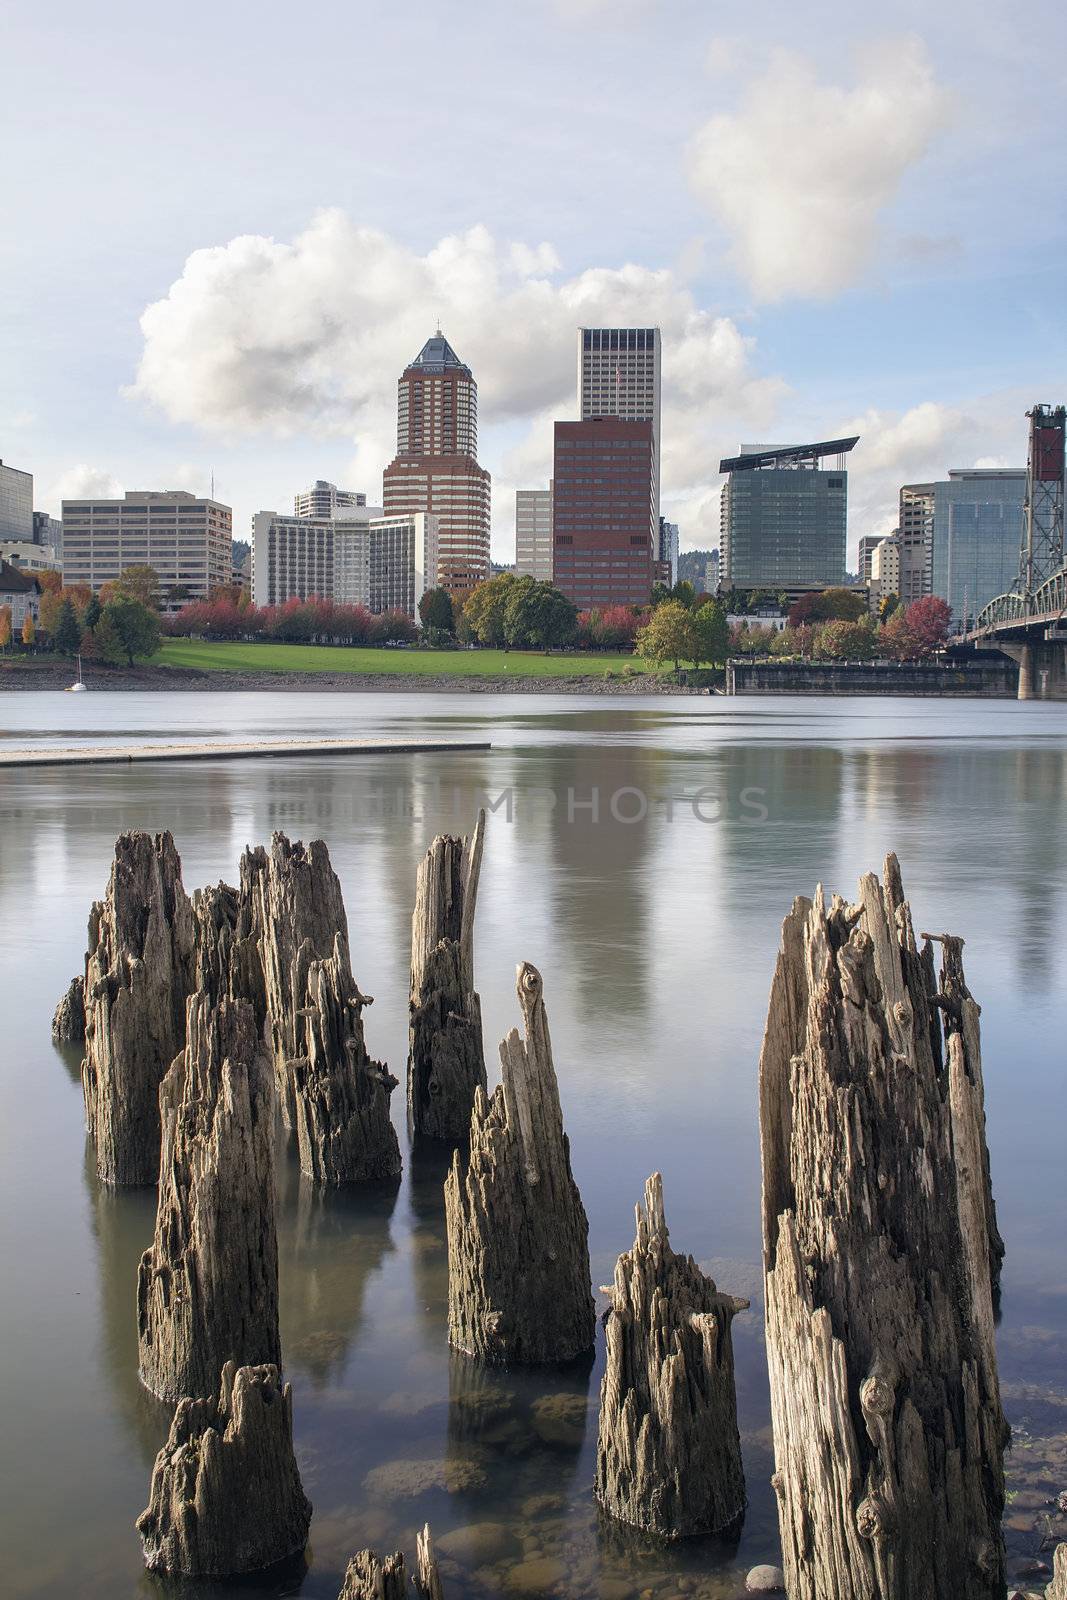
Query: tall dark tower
[(1042, 552)]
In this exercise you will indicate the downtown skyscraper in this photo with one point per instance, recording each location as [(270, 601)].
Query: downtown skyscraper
[(436, 468), (620, 375)]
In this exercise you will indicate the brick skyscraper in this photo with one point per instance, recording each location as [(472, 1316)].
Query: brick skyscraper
[(604, 511), (436, 465)]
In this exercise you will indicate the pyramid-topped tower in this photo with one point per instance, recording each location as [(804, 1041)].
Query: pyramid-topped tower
[(436, 465)]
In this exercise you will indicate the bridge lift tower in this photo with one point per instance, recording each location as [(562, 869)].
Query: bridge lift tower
[(1042, 550)]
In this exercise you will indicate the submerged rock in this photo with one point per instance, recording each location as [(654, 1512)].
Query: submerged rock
[(446, 1062), (226, 1495), (140, 970), (669, 1454), (207, 1289), (518, 1237)]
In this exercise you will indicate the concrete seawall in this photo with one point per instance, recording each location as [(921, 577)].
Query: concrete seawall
[(988, 680)]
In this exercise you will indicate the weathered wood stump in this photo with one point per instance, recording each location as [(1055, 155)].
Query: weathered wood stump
[(226, 1495), (669, 1454), (68, 1022), (446, 1061), (340, 1097), (888, 1428), (334, 1098), (518, 1238), (1057, 1589), (368, 1577), (207, 1289), (140, 970), (227, 954)]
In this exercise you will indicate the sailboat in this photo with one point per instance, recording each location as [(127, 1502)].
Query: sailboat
[(78, 687)]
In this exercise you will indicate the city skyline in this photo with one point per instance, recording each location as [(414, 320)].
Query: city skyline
[(279, 299)]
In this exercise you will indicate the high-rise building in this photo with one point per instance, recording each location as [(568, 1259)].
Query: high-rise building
[(916, 530), (325, 500), (868, 545), (16, 503), (186, 539), (604, 521), (667, 553), (533, 533), (620, 375), (435, 470), (353, 558), (976, 522), (884, 580), (783, 516)]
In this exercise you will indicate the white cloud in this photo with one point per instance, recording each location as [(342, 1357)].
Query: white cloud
[(310, 338), (81, 482), (801, 174)]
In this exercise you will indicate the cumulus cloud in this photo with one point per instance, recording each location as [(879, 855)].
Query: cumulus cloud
[(81, 482), (309, 337), (802, 172)]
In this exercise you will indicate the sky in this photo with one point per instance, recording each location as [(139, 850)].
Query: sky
[(226, 229)]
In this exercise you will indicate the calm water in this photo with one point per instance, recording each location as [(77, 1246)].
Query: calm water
[(655, 924)]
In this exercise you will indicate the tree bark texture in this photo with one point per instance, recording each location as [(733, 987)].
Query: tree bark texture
[(140, 970), (518, 1239), (669, 1453), (226, 1495), (888, 1428), (68, 1023), (446, 1061), (207, 1289)]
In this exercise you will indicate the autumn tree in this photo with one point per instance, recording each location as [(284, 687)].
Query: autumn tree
[(435, 611), (29, 630), (841, 640), (141, 584), (66, 635), (5, 627), (848, 605), (667, 636), (928, 621)]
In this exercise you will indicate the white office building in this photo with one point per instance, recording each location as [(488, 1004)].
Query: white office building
[(533, 534), (324, 499), (186, 538), (358, 557)]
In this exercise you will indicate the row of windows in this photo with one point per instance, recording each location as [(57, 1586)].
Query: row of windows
[(618, 338)]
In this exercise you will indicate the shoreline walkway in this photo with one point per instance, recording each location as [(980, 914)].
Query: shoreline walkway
[(89, 755)]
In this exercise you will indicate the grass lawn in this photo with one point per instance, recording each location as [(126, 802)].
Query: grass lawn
[(223, 657)]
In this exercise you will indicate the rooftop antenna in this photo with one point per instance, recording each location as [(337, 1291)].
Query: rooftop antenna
[(213, 483)]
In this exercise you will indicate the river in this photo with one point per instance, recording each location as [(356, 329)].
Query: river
[(642, 854)]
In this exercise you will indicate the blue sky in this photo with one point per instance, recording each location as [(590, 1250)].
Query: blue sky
[(841, 220)]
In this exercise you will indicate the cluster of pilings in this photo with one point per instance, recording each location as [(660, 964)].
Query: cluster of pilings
[(202, 1019)]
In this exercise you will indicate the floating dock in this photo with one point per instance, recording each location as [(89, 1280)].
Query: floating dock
[(226, 749)]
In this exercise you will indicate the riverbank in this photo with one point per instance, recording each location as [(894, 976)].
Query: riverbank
[(22, 676)]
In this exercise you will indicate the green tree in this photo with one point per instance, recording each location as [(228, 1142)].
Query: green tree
[(106, 642), (91, 614), (684, 592), (537, 615), (67, 636), (841, 640), (667, 636), (435, 611), (140, 584), (483, 609), (709, 633), (136, 626)]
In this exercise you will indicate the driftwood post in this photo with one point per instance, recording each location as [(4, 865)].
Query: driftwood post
[(333, 1096), (669, 1454), (518, 1237), (446, 1063), (888, 1428), (226, 1495), (368, 1577), (140, 970), (68, 1023), (207, 1289)]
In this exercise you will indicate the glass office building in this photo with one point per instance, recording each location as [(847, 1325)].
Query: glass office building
[(784, 528), (977, 536), (16, 503)]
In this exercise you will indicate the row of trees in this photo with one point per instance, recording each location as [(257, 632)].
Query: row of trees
[(909, 633), (230, 615), (112, 626)]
